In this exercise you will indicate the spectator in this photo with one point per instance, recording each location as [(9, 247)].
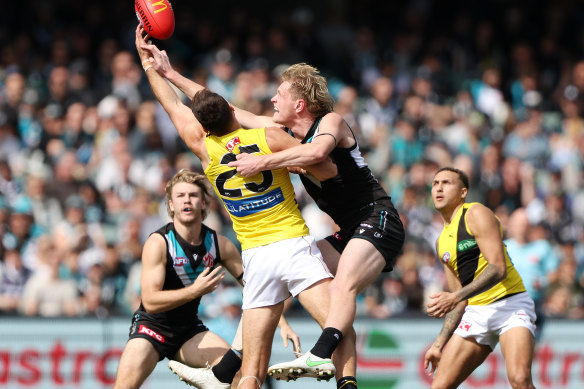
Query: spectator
[(222, 74), (386, 298), (125, 79), (20, 231), (64, 182), (565, 298), (13, 277), (533, 257), (380, 106), (114, 280), (46, 211), (46, 294), (527, 142), (13, 92)]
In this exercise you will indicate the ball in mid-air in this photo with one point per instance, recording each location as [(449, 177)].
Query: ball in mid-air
[(156, 16)]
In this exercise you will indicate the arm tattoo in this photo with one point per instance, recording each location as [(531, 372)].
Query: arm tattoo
[(451, 321), (485, 281)]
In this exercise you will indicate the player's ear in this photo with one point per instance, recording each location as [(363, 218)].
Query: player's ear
[(464, 193), (300, 105)]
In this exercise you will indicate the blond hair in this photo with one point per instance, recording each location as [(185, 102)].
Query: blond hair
[(308, 84), (185, 175)]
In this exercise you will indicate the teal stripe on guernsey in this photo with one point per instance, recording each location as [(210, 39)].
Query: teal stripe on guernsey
[(210, 244), (181, 262)]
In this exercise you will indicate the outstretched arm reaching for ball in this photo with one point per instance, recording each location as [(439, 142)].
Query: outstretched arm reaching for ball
[(187, 125), (161, 63)]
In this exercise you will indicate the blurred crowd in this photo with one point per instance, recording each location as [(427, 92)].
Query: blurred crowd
[(85, 151)]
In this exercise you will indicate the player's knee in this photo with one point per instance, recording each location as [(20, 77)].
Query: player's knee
[(520, 380), (339, 288)]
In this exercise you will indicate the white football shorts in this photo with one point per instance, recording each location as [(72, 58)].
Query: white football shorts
[(273, 272), (485, 323)]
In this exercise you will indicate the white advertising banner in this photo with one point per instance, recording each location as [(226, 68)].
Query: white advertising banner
[(42, 353)]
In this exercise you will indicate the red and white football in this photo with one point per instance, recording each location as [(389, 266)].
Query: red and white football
[(156, 16)]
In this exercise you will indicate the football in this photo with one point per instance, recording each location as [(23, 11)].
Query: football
[(156, 16)]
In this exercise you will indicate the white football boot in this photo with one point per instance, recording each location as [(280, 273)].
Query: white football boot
[(307, 365), (201, 378)]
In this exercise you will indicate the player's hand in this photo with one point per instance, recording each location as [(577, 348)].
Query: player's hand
[(150, 52), (286, 332), (141, 40), (441, 303), (207, 281), (296, 170), (431, 359), (247, 165), (158, 58)]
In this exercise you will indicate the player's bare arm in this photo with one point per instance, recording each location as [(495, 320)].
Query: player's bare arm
[(451, 321), (333, 125), (250, 120), (286, 331), (157, 300), (434, 353), (303, 155), (279, 140), (485, 227), (230, 258), (161, 63), (442, 303), (188, 127)]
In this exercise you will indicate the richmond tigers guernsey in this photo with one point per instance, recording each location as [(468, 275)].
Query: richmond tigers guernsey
[(184, 263), (263, 208), (458, 249)]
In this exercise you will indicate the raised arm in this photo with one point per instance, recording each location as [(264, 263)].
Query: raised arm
[(188, 127), (157, 300), (161, 63)]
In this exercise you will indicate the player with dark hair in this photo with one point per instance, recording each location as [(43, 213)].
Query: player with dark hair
[(487, 302), (279, 257), (371, 233)]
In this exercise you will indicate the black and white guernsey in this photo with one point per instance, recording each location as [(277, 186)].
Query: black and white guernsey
[(184, 263), (347, 196)]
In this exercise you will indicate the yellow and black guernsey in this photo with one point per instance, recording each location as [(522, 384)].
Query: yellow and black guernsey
[(263, 207), (458, 249)]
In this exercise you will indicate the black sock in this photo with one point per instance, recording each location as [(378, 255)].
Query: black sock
[(227, 367), (327, 343), (347, 382)]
